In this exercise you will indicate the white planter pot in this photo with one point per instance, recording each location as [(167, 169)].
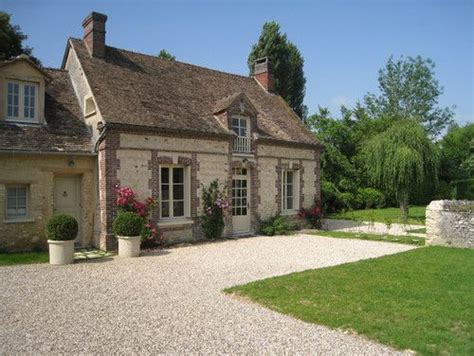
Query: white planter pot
[(129, 246), (61, 252)]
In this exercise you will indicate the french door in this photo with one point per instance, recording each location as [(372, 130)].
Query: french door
[(240, 201)]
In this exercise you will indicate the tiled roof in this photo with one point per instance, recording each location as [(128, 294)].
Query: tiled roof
[(137, 89), (65, 131)]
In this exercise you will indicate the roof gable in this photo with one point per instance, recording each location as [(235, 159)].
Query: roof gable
[(27, 65), (239, 101)]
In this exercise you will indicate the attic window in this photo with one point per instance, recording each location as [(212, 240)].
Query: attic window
[(89, 106), (22, 101)]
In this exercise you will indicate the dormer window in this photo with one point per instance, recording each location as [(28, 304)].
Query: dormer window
[(22, 101), (241, 125)]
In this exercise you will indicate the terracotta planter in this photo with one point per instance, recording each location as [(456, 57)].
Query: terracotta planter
[(129, 246), (61, 252)]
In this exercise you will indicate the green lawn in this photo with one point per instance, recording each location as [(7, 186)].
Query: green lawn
[(21, 258), (387, 215), (410, 240), (420, 300)]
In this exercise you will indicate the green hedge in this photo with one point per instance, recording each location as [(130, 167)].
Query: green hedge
[(277, 225)]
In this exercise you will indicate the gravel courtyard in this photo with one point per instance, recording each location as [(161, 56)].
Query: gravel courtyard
[(172, 301)]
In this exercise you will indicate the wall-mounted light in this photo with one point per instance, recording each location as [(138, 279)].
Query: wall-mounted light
[(71, 163)]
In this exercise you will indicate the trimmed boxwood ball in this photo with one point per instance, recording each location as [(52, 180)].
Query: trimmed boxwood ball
[(128, 224), (62, 228)]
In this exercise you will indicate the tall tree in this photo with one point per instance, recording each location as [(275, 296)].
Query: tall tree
[(287, 63), (339, 146), (164, 54), (409, 89), (457, 153), (400, 160), (11, 40)]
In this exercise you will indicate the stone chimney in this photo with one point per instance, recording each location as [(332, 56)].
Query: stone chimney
[(94, 34), (262, 72)]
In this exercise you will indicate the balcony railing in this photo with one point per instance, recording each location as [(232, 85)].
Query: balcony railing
[(242, 144)]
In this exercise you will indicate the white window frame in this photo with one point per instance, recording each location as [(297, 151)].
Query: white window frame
[(241, 142), (16, 216), (294, 190), (186, 193), (21, 101), (241, 119)]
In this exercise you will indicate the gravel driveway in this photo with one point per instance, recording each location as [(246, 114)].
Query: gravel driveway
[(171, 302)]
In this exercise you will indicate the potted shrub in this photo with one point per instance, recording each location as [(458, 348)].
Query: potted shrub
[(61, 231), (128, 227)]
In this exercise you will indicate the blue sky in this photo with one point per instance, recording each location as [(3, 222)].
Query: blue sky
[(344, 43)]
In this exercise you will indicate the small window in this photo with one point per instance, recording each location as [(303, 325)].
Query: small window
[(239, 126), (288, 190), (173, 193), (89, 106), (16, 202), (22, 101)]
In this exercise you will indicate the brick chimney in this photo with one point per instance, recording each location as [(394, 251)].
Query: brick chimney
[(94, 34), (262, 72)]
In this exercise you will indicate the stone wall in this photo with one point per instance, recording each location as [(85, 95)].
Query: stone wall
[(271, 160), (450, 223), (139, 156), (37, 172)]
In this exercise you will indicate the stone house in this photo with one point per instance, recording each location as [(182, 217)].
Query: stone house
[(113, 117)]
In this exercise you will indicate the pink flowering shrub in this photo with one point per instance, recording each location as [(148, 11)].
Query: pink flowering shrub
[(127, 201), (215, 203)]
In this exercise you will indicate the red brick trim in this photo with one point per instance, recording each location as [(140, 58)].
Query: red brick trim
[(228, 216), (240, 164), (278, 185), (154, 183), (185, 161), (254, 196), (301, 171), (164, 160), (195, 201), (109, 164), (317, 176)]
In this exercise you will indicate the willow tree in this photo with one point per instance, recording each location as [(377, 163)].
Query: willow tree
[(400, 160)]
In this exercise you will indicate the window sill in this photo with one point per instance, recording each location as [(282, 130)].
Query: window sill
[(33, 122), (19, 221), (289, 212), (175, 222), (243, 154), (90, 114)]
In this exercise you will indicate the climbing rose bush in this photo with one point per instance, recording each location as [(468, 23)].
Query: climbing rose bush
[(214, 203), (127, 201)]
